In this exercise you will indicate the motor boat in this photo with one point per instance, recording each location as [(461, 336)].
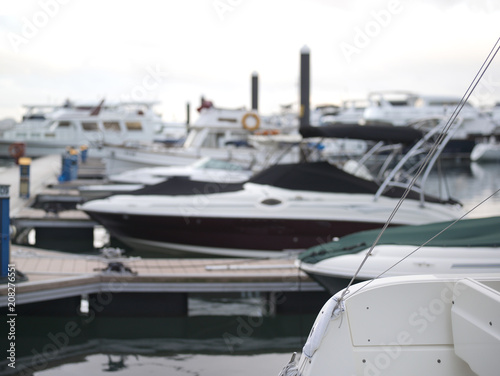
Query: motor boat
[(218, 133), (286, 207), (486, 151), (400, 108), (444, 325), (48, 129), (207, 170), (350, 112), (468, 246)]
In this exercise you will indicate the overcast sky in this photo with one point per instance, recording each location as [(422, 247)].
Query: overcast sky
[(177, 51)]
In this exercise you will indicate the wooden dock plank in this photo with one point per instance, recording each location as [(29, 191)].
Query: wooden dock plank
[(49, 270)]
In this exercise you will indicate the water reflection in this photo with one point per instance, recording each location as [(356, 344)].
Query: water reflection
[(470, 183), (47, 342)]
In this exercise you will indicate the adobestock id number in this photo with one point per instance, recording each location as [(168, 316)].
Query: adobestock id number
[(11, 287)]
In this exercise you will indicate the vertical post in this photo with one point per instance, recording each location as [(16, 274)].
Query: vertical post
[(255, 91), (304, 86), (84, 152), (24, 172), (4, 229), (73, 171), (188, 115)]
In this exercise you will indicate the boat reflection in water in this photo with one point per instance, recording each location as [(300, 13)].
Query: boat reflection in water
[(237, 327)]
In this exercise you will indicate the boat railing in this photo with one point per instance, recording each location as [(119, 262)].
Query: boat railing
[(426, 151)]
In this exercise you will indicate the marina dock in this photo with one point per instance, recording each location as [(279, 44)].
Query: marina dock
[(64, 284), (58, 283), (50, 208)]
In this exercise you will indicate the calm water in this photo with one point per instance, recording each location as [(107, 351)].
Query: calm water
[(220, 336)]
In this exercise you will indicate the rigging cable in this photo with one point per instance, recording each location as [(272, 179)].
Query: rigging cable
[(448, 125)]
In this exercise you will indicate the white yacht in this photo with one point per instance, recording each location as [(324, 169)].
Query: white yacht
[(350, 112), (47, 129), (401, 108), (217, 133)]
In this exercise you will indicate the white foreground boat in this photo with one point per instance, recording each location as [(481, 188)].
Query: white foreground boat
[(430, 325), (49, 130)]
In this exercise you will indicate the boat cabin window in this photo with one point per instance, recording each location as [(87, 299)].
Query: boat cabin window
[(220, 165), (133, 125), (61, 125), (443, 103), (89, 126), (64, 124), (111, 126)]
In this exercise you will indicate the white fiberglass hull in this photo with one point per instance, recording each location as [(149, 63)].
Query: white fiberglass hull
[(334, 273), (257, 218), (413, 325)]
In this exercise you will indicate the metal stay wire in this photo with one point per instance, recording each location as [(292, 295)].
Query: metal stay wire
[(448, 125), (432, 238)]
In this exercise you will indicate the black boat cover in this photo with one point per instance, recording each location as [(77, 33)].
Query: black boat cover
[(307, 176), (387, 133)]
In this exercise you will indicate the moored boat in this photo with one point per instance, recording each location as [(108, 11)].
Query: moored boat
[(468, 246), (284, 207), (47, 130), (442, 325)]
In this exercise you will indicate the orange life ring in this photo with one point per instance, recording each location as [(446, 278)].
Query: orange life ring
[(250, 127), (16, 150)]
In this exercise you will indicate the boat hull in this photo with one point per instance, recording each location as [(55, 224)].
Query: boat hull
[(485, 152), (231, 237)]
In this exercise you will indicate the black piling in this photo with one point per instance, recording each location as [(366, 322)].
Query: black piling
[(304, 113), (255, 91)]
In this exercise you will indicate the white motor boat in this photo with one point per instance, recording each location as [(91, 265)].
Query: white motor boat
[(217, 133), (284, 207), (205, 170), (48, 130), (437, 325), (468, 246), (401, 108), (350, 112), (488, 151)]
